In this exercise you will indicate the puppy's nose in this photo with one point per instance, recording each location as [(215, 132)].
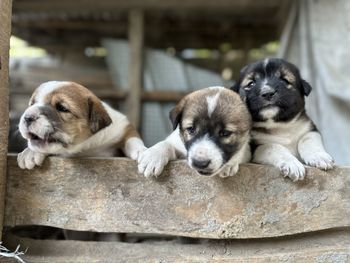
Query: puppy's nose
[(268, 94), (29, 119), (201, 164)]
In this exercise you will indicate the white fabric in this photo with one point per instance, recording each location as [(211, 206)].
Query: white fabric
[(317, 40)]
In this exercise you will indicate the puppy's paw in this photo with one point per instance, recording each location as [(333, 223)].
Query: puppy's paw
[(293, 169), (152, 161), (136, 153), (321, 160), (229, 170), (134, 147), (28, 159)]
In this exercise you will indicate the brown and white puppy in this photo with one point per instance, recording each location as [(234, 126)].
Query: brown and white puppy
[(66, 119), (211, 128), (282, 133)]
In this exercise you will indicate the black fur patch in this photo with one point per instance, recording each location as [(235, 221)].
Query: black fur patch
[(284, 80), (210, 127)]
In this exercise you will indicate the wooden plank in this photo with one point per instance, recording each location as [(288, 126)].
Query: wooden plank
[(319, 247), (108, 195), (5, 32), (106, 5), (135, 69)]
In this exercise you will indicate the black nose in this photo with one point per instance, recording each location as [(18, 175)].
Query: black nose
[(268, 94), (29, 119), (201, 164)]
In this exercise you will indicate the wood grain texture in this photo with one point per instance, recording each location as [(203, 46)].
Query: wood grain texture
[(318, 247), (107, 195), (5, 31)]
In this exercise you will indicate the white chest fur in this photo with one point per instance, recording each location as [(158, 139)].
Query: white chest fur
[(285, 133)]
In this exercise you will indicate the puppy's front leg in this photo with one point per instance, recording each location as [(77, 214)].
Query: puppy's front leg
[(280, 157), (232, 166), (153, 160), (312, 152), (28, 159), (133, 148)]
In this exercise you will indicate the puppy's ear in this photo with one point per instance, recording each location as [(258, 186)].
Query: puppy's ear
[(235, 87), (97, 115), (241, 92), (175, 114), (306, 87)]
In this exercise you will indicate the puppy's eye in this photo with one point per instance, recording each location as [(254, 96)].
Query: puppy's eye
[(191, 130), (250, 84), (225, 133), (61, 108)]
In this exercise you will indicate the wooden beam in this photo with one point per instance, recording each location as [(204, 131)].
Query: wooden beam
[(135, 67), (108, 195), (108, 5), (160, 34), (5, 32), (321, 247)]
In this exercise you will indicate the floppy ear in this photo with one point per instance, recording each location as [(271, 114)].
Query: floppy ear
[(175, 114), (306, 87), (241, 92), (235, 87), (97, 115)]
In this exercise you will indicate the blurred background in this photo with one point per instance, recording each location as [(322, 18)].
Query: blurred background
[(141, 56)]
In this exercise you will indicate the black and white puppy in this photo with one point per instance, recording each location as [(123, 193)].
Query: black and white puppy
[(211, 128), (282, 135)]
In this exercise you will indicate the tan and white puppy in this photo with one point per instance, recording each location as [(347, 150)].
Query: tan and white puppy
[(66, 119), (211, 128)]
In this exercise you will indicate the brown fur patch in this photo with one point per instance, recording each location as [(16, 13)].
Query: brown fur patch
[(86, 114), (129, 132), (230, 111), (288, 75)]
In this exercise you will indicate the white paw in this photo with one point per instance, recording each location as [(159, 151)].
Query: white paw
[(321, 160), (136, 153), (292, 168), (229, 170), (29, 159), (152, 161), (134, 147)]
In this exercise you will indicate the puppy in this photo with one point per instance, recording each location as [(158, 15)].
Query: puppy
[(211, 127), (66, 119), (282, 134)]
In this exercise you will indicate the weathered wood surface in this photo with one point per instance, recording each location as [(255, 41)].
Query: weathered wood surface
[(317, 247), (107, 195), (5, 32)]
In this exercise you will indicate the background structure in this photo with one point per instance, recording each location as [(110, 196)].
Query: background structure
[(175, 47)]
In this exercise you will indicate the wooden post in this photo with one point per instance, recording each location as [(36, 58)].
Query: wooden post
[(135, 34), (5, 31)]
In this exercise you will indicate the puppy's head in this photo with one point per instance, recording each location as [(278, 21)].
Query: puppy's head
[(214, 124), (272, 89), (61, 115)]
